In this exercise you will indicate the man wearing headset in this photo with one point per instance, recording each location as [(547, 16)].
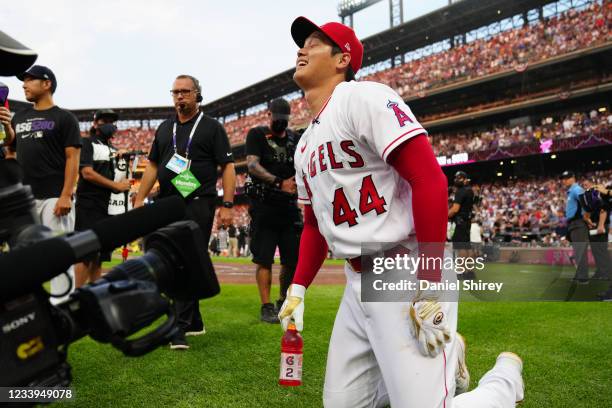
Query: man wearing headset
[(184, 157)]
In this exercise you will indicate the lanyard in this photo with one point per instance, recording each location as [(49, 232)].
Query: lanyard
[(193, 129)]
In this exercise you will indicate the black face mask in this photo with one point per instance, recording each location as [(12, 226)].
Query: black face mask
[(279, 125), (107, 130)]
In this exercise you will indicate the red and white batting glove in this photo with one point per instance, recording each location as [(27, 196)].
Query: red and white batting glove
[(429, 324), (293, 307)]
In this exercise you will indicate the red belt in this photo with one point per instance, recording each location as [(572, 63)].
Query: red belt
[(355, 263)]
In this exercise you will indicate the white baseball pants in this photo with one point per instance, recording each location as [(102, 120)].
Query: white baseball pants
[(373, 360)]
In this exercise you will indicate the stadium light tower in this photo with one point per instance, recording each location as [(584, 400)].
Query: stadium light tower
[(346, 9)]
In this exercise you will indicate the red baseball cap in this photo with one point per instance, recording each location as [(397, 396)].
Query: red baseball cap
[(341, 35)]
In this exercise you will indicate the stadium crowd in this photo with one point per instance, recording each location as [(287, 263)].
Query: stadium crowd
[(534, 208), (512, 49), (508, 97), (134, 139), (549, 128)]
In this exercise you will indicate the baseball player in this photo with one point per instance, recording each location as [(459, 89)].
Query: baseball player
[(365, 172)]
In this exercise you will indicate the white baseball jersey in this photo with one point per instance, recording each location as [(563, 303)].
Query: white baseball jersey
[(341, 167)]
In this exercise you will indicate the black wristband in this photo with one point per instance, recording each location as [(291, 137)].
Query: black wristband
[(228, 204)]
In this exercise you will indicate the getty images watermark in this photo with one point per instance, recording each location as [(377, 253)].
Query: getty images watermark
[(393, 272), (413, 264)]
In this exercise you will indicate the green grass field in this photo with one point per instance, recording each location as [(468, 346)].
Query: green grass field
[(565, 347), (241, 260)]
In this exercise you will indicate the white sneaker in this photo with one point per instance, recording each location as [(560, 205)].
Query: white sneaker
[(515, 360), (195, 331), (462, 375)]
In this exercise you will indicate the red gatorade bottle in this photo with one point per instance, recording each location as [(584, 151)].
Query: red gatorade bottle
[(292, 347), (124, 253)]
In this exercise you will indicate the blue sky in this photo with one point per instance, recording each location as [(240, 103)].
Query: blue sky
[(124, 53)]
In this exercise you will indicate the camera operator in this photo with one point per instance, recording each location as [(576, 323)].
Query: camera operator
[(275, 217), (47, 144), (97, 182), (577, 227), (460, 213), (185, 154)]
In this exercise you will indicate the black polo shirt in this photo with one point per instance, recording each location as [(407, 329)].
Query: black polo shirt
[(465, 198), (210, 148)]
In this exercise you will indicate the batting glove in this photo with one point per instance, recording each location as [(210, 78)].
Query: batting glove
[(293, 307), (429, 325)]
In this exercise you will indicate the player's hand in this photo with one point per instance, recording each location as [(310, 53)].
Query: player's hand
[(601, 229), (293, 307), (62, 206), (289, 186), (429, 325), (123, 185), (226, 216)]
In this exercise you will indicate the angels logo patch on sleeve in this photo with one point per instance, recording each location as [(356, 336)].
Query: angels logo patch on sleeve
[(381, 117), (400, 115)]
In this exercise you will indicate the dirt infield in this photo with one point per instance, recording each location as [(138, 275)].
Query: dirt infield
[(240, 273)]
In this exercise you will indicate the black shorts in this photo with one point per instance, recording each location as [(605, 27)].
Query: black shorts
[(461, 236), (268, 233), (86, 217)]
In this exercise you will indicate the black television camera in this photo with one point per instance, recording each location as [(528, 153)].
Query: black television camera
[(35, 335), (260, 191)]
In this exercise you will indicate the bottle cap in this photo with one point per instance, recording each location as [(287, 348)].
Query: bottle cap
[(291, 326)]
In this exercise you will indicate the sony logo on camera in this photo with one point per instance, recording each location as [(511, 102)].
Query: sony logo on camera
[(17, 323)]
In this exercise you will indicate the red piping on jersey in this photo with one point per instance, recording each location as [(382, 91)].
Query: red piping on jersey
[(313, 250), (398, 138), (316, 118), (415, 162)]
